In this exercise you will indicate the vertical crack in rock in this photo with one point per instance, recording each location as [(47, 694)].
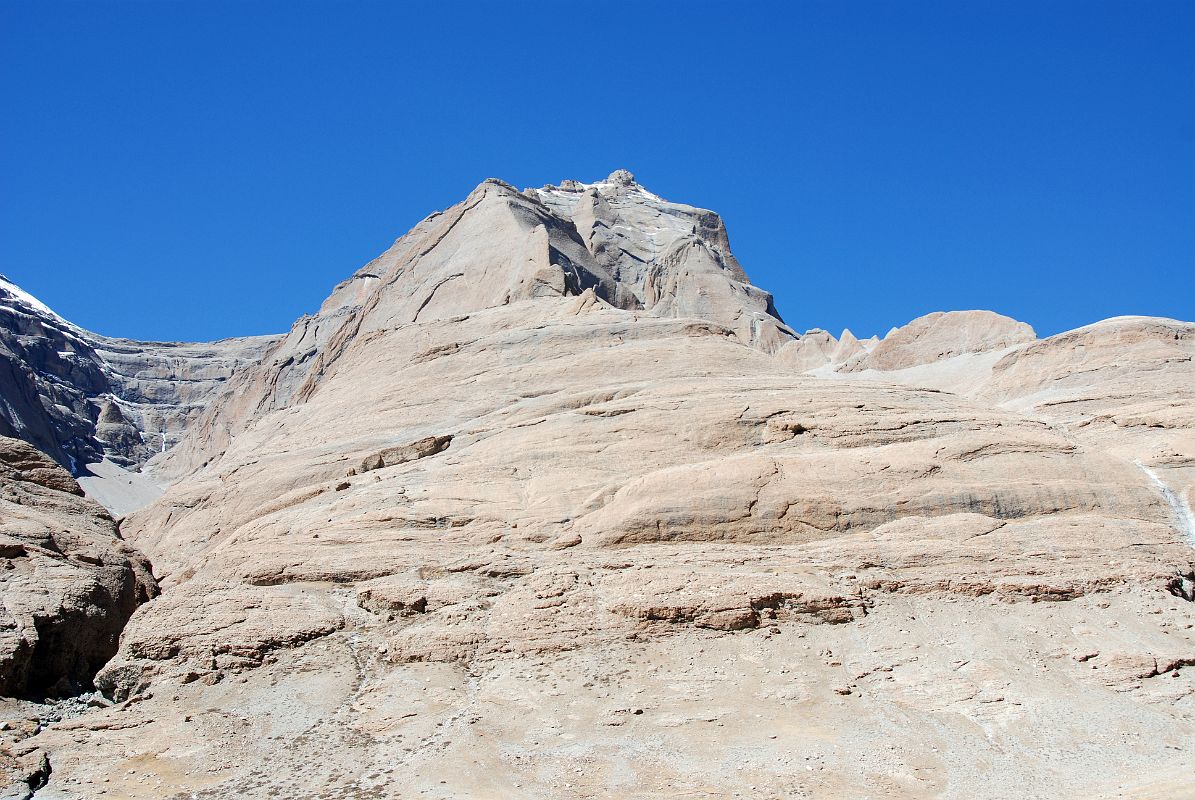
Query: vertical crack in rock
[(39, 778)]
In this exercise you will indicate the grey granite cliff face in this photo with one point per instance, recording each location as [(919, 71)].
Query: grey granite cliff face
[(81, 397)]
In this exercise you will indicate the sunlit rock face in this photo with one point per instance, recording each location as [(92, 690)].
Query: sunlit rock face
[(546, 501)]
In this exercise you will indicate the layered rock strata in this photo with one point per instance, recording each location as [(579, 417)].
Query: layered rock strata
[(546, 501), (68, 581), (81, 398)]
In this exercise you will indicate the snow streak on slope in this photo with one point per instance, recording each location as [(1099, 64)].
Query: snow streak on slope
[(1182, 509), (21, 296)]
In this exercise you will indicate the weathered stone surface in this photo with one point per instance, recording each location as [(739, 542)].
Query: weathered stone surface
[(80, 397), (667, 258), (539, 504), (68, 582), (942, 335), (815, 349)]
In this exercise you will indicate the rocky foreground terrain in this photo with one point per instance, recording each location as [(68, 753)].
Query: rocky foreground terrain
[(546, 501)]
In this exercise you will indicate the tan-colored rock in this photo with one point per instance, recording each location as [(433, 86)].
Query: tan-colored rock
[(814, 349), (518, 515), (848, 347), (67, 581), (942, 335), (667, 258)]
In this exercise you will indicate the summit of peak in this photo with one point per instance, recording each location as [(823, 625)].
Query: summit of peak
[(496, 183), (621, 177), (616, 182), (636, 251)]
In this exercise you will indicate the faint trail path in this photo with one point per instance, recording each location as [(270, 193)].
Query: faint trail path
[(1182, 509)]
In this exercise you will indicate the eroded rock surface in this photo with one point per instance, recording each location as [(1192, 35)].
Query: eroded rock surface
[(68, 582), (81, 397), (546, 502)]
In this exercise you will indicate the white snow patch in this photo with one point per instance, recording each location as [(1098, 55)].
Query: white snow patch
[(1182, 509), (650, 195), (602, 186), (120, 491), (25, 297), (30, 302)]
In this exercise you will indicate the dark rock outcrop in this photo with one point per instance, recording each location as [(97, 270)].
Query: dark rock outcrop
[(68, 583)]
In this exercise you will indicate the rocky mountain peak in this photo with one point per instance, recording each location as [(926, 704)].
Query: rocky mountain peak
[(635, 250), (621, 177), (537, 484), (611, 243), (666, 257)]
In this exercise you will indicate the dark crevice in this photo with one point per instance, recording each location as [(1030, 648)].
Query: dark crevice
[(1183, 585), (39, 777)]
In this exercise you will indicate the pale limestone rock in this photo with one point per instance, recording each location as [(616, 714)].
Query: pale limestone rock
[(712, 494), (668, 258), (848, 347), (814, 349), (611, 241)]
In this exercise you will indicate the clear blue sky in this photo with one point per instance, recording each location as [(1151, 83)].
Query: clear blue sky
[(195, 170)]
